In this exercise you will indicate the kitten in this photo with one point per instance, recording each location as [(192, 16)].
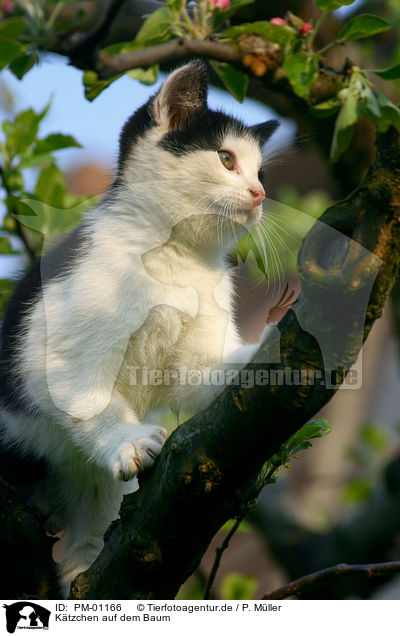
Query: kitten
[(144, 282)]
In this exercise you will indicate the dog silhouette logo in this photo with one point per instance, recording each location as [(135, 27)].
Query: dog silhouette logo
[(26, 615)]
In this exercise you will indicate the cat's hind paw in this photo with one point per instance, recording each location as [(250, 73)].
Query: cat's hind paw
[(135, 456)]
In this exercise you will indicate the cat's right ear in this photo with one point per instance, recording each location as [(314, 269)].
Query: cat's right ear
[(183, 94)]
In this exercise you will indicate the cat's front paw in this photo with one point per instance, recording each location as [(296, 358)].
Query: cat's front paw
[(139, 454)]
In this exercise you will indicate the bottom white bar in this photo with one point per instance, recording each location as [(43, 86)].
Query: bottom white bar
[(175, 617)]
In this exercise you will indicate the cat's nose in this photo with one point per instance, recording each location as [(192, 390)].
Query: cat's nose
[(258, 195)]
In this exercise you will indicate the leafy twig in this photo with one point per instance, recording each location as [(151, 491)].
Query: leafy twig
[(265, 478)]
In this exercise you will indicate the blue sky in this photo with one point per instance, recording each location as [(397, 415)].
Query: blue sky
[(96, 125)]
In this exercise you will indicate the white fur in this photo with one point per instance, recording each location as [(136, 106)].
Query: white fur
[(154, 290)]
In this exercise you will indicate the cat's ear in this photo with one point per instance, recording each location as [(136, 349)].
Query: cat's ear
[(264, 131), (183, 94)]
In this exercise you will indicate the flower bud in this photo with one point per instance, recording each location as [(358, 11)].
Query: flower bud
[(305, 29), (280, 21), (221, 4)]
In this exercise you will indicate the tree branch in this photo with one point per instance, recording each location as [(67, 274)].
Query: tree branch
[(218, 555), (360, 538), (341, 570), (207, 471), (172, 49)]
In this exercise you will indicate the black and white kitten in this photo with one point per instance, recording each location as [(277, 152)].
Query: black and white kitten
[(143, 282)]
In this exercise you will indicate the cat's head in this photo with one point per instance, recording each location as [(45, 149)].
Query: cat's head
[(177, 152)]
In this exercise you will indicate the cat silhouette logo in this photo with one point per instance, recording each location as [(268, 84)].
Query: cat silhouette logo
[(26, 615)]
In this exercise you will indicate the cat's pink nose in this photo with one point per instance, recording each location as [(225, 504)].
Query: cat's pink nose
[(258, 196)]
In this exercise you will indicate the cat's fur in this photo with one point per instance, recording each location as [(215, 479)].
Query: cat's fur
[(144, 281)]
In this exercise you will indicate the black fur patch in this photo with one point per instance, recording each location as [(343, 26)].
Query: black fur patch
[(198, 129), (203, 131), (265, 130), (57, 263), (134, 128)]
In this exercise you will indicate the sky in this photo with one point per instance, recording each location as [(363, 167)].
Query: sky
[(96, 125)]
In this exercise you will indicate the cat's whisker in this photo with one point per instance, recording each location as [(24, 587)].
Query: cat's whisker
[(264, 251), (276, 260), (280, 223), (271, 289), (279, 238)]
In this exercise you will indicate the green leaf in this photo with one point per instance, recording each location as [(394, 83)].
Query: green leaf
[(175, 4), (237, 587), (44, 112), (342, 137), (48, 220), (390, 73), (9, 50), (122, 47), (278, 33), (41, 153), (251, 243), (220, 17), (301, 71), (14, 180), (6, 289), (94, 86), (21, 133), (331, 5), (300, 447), (244, 526), (363, 26), (390, 112), (55, 141), (31, 161), (12, 27), (326, 109), (370, 101), (146, 76), (5, 246), (349, 114), (158, 27), (22, 64), (311, 430), (50, 186), (235, 81)]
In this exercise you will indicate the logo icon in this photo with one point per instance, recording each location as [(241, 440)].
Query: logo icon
[(26, 615)]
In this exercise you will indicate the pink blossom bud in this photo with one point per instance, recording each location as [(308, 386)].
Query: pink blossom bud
[(7, 7), (221, 4), (305, 29), (280, 21)]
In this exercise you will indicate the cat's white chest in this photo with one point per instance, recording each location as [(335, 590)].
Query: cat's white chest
[(173, 345)]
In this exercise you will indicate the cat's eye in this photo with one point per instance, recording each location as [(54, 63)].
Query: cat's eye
[(227, 159)]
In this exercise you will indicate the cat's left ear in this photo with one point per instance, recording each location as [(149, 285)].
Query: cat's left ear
[(183, 94), (264, 131)]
